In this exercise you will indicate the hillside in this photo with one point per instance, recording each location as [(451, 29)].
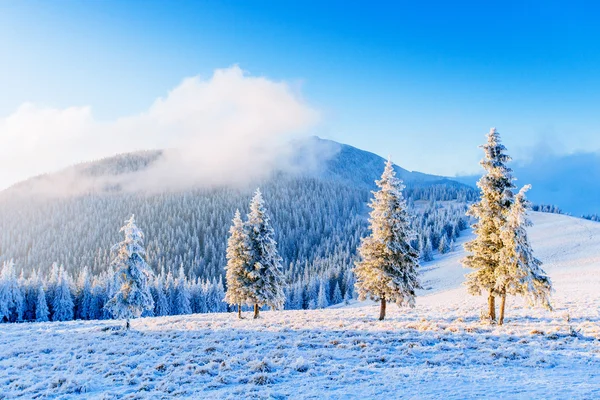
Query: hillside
[(423, 352)]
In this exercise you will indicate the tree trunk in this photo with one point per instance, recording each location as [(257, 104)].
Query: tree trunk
[(382, 309), (492, 307), (255, 311), (502, 304), (127, 324), (239, 311)]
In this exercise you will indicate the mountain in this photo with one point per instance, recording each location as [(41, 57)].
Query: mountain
[(358, 167), (317, 206)]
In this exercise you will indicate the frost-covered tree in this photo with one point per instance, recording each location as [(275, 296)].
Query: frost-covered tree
[(41, 305), (11, 296), (265, 276), (62, 303), (237, 264), (387, 268), (322, 301), (182, 296), (162, 302), (349, 293), (337, 294), (444, 246), (519, 272), (132, 275), (83, 298), (426, 250), (491, 213)]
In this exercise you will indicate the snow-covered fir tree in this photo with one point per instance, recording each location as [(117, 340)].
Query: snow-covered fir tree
[(83, 298), (265, 277), (444, 246), (161, 300), (182, 297), (41, 306), (491, 213), (426, 250), (132, 276), (237, 264), (519, 271), (62, 303), (387, 268), (322, 301), (337, 294), (11, 296)]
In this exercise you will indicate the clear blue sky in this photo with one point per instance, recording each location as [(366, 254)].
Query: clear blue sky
[(422, 81)]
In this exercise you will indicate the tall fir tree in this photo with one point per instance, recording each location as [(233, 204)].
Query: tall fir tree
[(491, 213), (265, 276), (520, 272), (132, 275), (387, 268), (237, 264)]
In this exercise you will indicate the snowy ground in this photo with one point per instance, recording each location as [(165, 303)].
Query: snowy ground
[(439, 349)]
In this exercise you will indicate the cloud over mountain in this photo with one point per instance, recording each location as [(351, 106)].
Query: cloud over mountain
[(226, 128)]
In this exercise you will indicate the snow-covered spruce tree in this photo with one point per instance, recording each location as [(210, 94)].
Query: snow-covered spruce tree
[(83, 298), (62, 303), (182, 296), (132, 274), (426, 250), (491, 212), (387, 267), (41, 306), (51, 286), (264, 271), (11, 296), (337, 294), (237, 265), (322, 301), (162, 302), (520, 273)]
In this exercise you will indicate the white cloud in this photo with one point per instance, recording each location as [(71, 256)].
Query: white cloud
[(227, 128)]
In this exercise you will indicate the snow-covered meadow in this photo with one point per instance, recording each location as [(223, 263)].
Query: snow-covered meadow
[(438, 349)]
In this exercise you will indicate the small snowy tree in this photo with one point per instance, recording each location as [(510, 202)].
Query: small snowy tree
[(443, 246), (427, 250), (63, 301), (237, 265), (387, 269), (322, 301), (182, 297), (491, 212), (11, 297), (132, 273), (519, 272), (51, 286), (162, 302), (337, 294), (41, 306), (265, 276), (84, 295)]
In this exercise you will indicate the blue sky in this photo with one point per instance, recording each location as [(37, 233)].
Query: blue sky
[(420, 81)]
